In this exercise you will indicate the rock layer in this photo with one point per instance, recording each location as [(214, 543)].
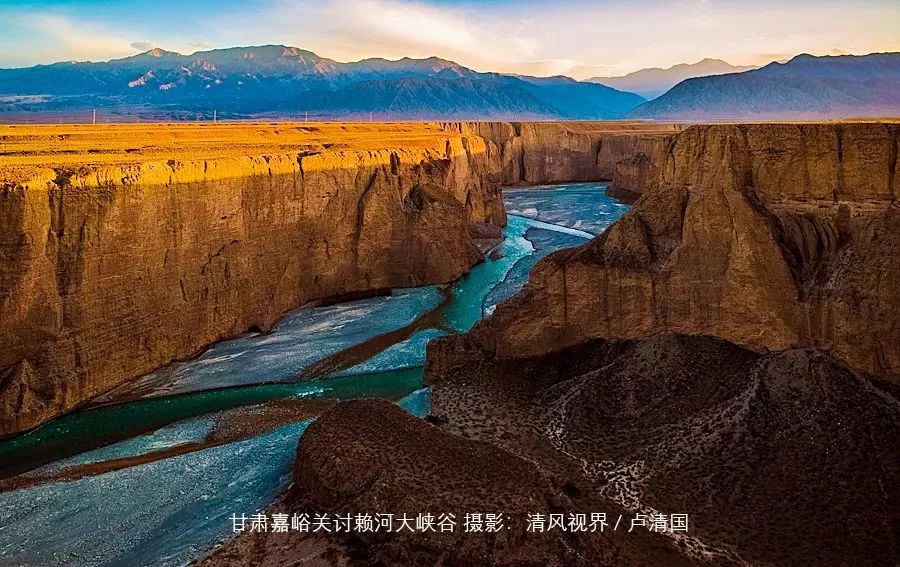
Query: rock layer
[(768, 236), (110, 270)]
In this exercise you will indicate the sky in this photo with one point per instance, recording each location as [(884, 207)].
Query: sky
[(578, 38)]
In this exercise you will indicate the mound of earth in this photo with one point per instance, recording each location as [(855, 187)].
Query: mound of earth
[(783, 458), (371, 456)]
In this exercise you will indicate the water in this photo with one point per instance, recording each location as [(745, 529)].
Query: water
[(469, 292), (174, 509), (88, 430), (303, 337), (185, 502), (403, 355), (162, 513), (581, 206)]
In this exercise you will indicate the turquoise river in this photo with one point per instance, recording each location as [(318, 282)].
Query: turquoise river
[(150, 473)]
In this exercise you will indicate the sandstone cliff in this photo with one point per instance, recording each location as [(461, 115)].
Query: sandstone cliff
[(637, 164), (768, 236), (556, 152), (122, 257)]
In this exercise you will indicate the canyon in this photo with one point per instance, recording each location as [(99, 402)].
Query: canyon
[(739, 322), (550, 152), (126, 247), (770, 236)]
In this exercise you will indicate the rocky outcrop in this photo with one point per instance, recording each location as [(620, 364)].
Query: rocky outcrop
[(369, 456), (636, 163), (778, 459), (110, 270), (556, 152), (769, 236)]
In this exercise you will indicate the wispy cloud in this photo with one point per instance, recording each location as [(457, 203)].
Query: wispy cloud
[(77, 40), (577, 38), (573, 37), (143, 45), (355, 29)]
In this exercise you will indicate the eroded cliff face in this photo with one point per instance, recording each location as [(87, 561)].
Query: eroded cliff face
[(637, 163), (110, 271), (557, 152), (767, 236)]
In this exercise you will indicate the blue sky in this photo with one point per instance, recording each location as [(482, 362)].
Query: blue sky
[(576, 37)]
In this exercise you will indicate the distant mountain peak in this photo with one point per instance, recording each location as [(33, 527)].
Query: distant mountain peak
[(802, 57), (805, 87), (160, 52), (652, 82)]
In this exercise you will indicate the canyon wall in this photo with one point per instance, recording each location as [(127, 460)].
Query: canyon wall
[(109, 271), (636, 163), (770, 236), (558, 152)]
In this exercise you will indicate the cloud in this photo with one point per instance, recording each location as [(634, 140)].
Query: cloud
[(355, 29), (403, 25), (143, 45), (484, 37), (77, 40), (571, 37)]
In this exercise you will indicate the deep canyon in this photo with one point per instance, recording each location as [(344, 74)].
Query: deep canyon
[(768, 236), (740, 322)]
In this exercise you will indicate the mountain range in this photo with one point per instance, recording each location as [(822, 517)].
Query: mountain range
[(651, 83), (277, 81), (281, 80), (806, 87)]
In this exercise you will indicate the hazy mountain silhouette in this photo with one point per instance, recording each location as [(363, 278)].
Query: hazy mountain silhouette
[(804, 87), (277, 79), (650, 83)]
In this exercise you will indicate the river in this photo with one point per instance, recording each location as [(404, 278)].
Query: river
[(150, 473)]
